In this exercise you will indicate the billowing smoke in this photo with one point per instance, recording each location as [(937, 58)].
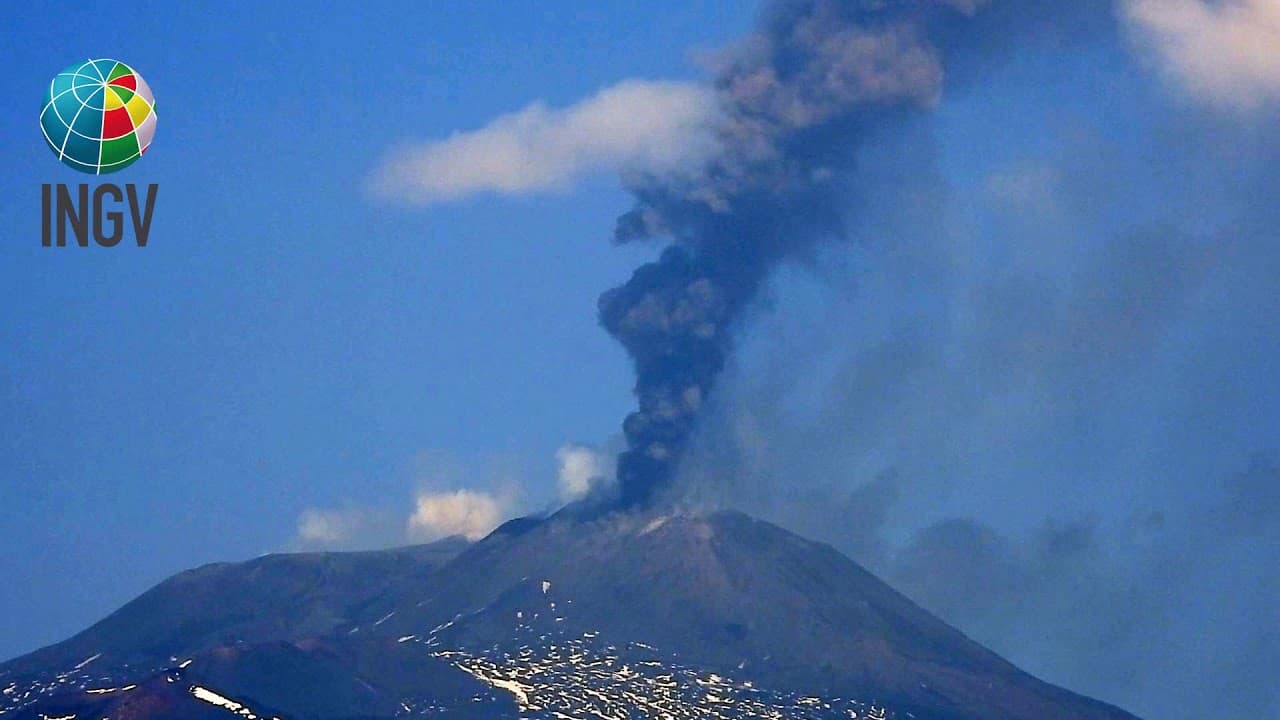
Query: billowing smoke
[(1037, 388), (796, 100), (1033, 376)]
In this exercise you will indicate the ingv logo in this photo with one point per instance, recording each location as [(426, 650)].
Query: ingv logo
[(98, 117)]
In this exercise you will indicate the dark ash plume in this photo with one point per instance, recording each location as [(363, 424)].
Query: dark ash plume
[(796, 100)]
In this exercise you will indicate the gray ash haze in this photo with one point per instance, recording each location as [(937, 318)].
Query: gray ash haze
[(1029, 376), (983, 294), (790, 107), (793, 103)]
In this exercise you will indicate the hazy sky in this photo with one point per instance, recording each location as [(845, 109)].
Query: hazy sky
[(1045, 360)]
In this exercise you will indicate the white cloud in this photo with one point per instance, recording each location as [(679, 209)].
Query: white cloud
[(581, 469), (1226, 53), (469, 513), (448, 503), (634, 125)]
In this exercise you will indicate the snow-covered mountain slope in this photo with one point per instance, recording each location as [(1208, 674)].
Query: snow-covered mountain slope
[(613, 616)]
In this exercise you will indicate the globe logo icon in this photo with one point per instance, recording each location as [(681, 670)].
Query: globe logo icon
[(98, 116)]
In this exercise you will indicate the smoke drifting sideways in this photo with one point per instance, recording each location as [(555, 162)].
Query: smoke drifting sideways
[(1036, 390), (796, 101)]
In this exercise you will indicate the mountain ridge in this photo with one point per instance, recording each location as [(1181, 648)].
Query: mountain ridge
[(597, 601), (229, 596)]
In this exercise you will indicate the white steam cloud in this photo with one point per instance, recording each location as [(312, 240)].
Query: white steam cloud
[(635, 125), (1225, 53), (454, 499), (581, 469), (469, 513)]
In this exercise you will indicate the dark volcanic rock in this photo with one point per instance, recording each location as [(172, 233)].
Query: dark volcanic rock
[(739, 596), (684, 616), (273, 597)]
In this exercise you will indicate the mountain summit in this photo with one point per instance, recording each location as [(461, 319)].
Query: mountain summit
[(617, 616)]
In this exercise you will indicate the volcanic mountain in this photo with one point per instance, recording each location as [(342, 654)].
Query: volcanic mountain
[(617, 615)]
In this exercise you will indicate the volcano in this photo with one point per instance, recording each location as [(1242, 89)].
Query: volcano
[(620, 615)]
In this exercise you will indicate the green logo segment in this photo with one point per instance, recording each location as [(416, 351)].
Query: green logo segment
[(98, 116)]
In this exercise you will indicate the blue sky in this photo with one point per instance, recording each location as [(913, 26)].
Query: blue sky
[(286, 341), (1050, 346)]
